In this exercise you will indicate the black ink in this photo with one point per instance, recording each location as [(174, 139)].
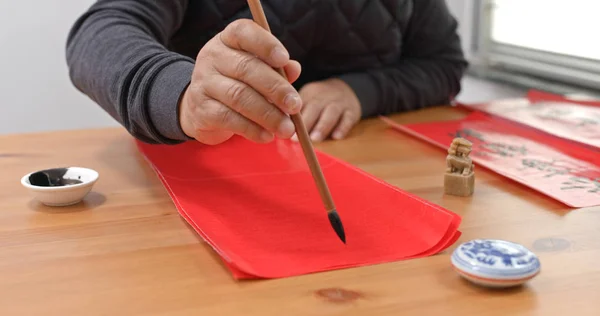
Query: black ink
[(559, 114), (506, 150), (467, 133), (336, 223), (591, 185), (587, 121), (551, 167), (52, 178)]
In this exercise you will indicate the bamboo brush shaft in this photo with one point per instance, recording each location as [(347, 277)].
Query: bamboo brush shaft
[(259, 17)]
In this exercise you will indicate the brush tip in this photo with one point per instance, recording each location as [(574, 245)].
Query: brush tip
[(336, 223)]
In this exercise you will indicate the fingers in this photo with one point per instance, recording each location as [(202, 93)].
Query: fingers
[(328, 119), (310, 115), (319, 132), (246, 101), (292, 71), (245, 35), (218, 118), (245, 94), (261, 77), (250, 54), (346, 123)]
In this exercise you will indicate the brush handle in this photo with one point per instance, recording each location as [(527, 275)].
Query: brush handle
[(309, 153), (313, 163)]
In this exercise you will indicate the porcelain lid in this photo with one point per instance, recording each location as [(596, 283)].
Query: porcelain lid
[(495, 259)]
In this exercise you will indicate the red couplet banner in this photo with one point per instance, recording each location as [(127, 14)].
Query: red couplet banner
[(558, 168)]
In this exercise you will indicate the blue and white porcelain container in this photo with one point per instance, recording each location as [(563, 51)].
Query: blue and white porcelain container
[(495, 263)]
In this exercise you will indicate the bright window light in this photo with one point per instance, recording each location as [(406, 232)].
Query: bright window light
[(554, 26)]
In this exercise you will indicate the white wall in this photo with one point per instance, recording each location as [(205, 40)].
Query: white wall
[(35, 91), (463, 12)]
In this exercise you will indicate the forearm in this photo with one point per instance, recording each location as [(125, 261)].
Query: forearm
[(116, 55), (410, 85), (428, 72)]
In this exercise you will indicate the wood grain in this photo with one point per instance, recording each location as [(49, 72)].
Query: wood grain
[(126, 251)]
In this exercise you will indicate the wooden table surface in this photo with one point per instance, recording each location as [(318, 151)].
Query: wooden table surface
[(125, 250)]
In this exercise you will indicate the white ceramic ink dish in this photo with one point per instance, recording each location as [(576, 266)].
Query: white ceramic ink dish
[(60, 186), (495, 263)]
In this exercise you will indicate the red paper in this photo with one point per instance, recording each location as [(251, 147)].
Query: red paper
[(568, 118), (258, 207), (558, 168), (540, 96), (575, 122)]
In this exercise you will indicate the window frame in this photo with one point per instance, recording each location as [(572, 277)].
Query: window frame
[(488, 55)]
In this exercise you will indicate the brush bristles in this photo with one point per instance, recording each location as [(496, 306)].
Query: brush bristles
[(336, 223)]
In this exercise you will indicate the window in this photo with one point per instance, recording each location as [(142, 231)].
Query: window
[(549, 39)]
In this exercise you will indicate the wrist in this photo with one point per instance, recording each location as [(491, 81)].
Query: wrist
[(183, 108), (163, 95), (366, 90)]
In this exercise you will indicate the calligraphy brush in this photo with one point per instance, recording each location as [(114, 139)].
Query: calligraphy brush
[(259, 17)]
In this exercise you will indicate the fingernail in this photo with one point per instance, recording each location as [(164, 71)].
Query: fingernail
[(292, 102), (266, 136), (315, 136), (295, 137), (286, 129), (338, 135), (279, 56)]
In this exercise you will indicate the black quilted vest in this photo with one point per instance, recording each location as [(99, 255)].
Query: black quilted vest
[(328, 37)]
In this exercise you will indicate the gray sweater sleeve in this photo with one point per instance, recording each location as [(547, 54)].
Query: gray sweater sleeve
[(428, 73), (116, 55)]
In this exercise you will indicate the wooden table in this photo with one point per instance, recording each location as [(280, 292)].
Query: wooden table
[(126, 251)]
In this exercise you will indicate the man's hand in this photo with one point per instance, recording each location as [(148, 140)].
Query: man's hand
[(235, 90), (330, 108)]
